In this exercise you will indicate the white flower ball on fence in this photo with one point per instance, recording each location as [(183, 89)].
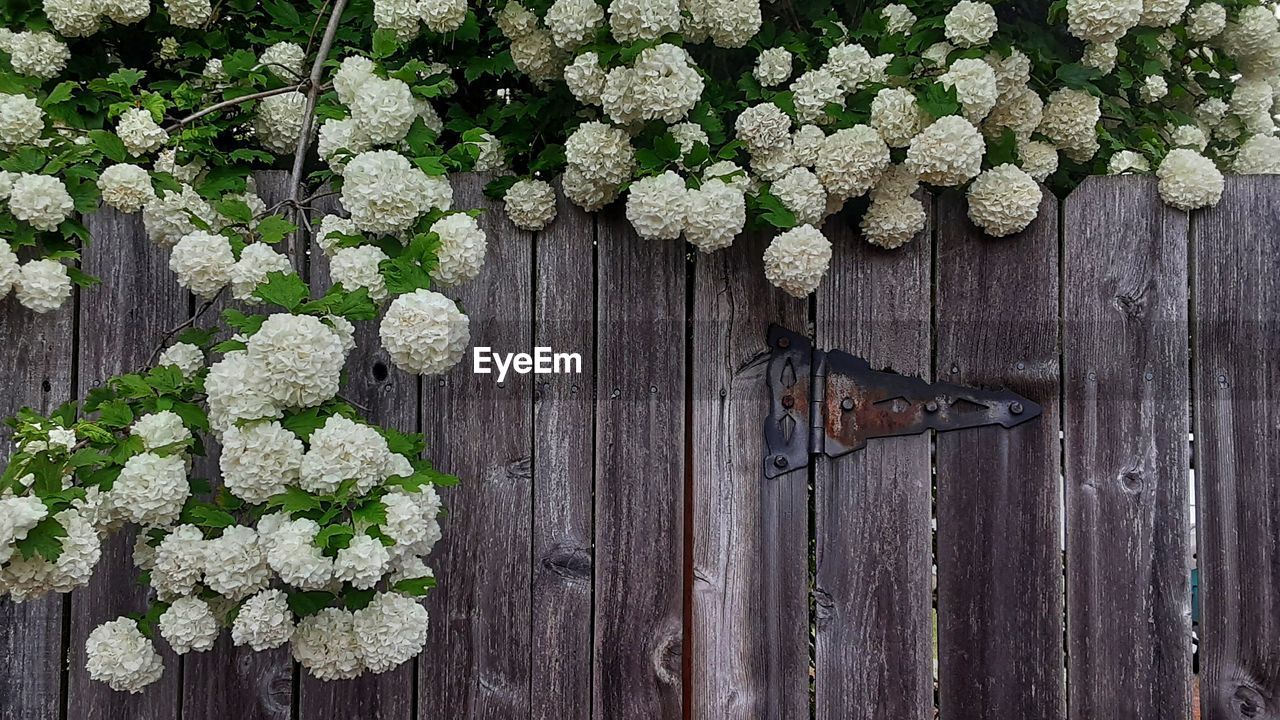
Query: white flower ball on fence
[(362, 563), (1260, 155), (892, 221), (1071, 122), (160, 430), (806, 145), (125, 12), (21, 120), (803, 194), (1004, 200), (1189, 180), (530, 204), (797, 259), (344, 450), (37, 54), (573, 23), (384, 193), (948, 152), (357, 267), (854, 67), (17, 516), (264, 621), (424, 332), (1103, 20), (188, 624), (773, 66), (331, 226), (73, 18), (41, 201), (259, 459), (813, 92), (851, 160), (462, 249), (168, 219), (1162, 13), (632, 20), (1206, 21), (1038, 159), (296, 559), (236, 563), (151, 488), (351, 76), (235, 393), (971, 24), (42, 285), (391, 630), (975, 84), (383, 110), (400, 16), (139, 132), (10, 271), (326, 645), (896, 115), (188, 13), (656, 206), (585, 78), (118, 654), (256, 262), (186, 357), (203, 263), (278, 121), (715, 214), (284, 60), (126, 188), (1020, 110), (300, 360), (443, 16), (763, 127)]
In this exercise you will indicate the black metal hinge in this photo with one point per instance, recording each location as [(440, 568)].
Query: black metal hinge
[(831, 403)]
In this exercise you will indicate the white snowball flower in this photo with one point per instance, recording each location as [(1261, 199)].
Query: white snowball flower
[(1102, 20), (203, 263), (662, 84), (1259, 155), (1101, 56), (42, 285), (292, 553), (1037, 159), (1020, 110), (937, 54), (948, 152), (167, 162), (813, 91), (537, 56), (29, 578), (351, 75), (898, 18), (236, 563), (235, 393), (1127, 161), (1004, 200), (424, 332), (361, 563), (1206, 22), (125, 187), (656, 206), (151, 489), (1162, 13), (763, 127), (970, 24), (256, 262), (326, 645), (186, 357), (585, 78), (38, 54), (336, 136), (9, 272), (277, 122), (21, 120), (797, 259), (1189, 180), (118, 654), (530, 204), (73, 18), (188, 13), (975, 85), (892, 221), (6, 184), (769, 165), (851, 160), (41, 201), (391, 630), (600, 159), (258, 460), (714, 215), (1252, 102), (384, 192), (1188, 136), (300, 359), (264, 621), (773, 67), (383, 110), (139, 131), (573, 23), (896, 115), (462, 249), (1071, 122), (854, 67), (803, 194), (284, 60), (632, 20), (345, 450), (331, 226), (160, 430), (806, 145), (188, 624), (399, 16), (443, 16), (412, 520), (167, 219), (1154, 88), (357, 267), (17, 516)]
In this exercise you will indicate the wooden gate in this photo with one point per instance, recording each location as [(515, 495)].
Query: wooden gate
[(614, 552)]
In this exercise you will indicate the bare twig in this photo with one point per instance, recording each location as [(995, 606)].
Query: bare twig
[(311, 37), (232, 103), (155, 355), (308, 115)]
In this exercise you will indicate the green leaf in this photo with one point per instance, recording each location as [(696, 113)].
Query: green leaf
[(410, 445), (61, 93), (1079, 77), (44, 538), (335, 537), (385, 43), (403, 275), (304, 422), (372, 512), (208, 516), (358, 599), (286, 290), (274, 228), (81, 278), (115, 414), (109, 145), (294, 500), (939, 101), (246, 325), (310, 602), (1003, 150), (417, 587), (237, 210)]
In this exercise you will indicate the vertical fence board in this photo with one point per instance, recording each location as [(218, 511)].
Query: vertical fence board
[(388, 397), (122, 322), (35, 372), (872, 508), (563, 479), (1000, 588), (1125, 422), (640, 466), (1237, 376), (258, 684), (476, 664), (750, 644)]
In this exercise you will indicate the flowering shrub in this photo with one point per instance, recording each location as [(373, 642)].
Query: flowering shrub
[(705, 118)]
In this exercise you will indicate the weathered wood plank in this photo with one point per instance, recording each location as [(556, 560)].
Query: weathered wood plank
[(872, 509), (122, 321), (390, 398), (563, 472), (750, 644), (640, 465), (1237, 388), (258, 684), (1125, 420), (1000, 594), (35, 371), (477, 660)]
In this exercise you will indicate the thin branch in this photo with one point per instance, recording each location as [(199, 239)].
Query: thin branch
[(311, 36), (308, 115), (232, 103), (155, 355)]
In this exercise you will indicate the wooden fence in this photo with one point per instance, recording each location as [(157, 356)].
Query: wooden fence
[(614, 552)]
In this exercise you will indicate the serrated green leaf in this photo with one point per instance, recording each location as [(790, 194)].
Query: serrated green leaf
[(304, 603), (44, 539), (286, 290), (274, 228)]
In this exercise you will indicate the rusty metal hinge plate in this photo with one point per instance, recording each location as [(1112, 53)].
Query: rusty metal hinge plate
[(832, 403)]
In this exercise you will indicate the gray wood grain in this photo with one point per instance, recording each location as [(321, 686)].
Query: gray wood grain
[(1125, 419), (640, 469), (258, 685), (872, 509), (1237, 392), (1000, 594), (36, 372), (750, 642), (121, 323), (563, 472), (477, 660), (389, 397)]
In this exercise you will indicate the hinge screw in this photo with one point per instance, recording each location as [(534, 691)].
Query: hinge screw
[(784, 343), (846, 404), (931, 406), (788, 402), (780, 462), (1015, 408)]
